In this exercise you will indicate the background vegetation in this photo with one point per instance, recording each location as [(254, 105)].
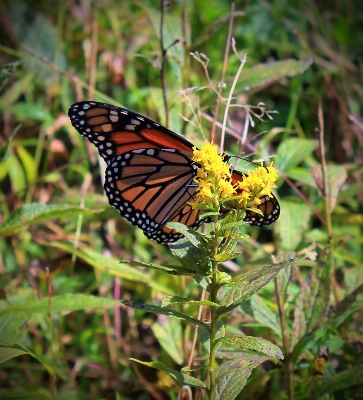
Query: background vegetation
[(59, 238)]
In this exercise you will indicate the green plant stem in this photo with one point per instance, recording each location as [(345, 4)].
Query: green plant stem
[(212, 357), (214, 317)]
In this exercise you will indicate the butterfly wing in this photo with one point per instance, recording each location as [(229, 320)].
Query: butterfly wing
[(186, 216), (151, 187), (149, 177), (115, 130), (269, 206)]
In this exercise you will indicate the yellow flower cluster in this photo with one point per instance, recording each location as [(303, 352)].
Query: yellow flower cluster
[(216, 186), (213, 178), (256, 184)]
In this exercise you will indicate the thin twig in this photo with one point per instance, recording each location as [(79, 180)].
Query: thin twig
[(93, 56), (242, 63), (224, 68), (324, 170), (163, 64)]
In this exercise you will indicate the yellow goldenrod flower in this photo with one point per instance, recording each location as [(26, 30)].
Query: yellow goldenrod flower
[(215, 186), (213, 178)]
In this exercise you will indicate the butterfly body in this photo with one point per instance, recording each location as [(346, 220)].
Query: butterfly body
[(149, 174)]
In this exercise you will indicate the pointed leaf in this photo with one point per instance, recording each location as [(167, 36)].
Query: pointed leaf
[(317, 304), (242, 287), (170, 269), (337, 175), (265, 73), (111, 266), (62, 302), (299, 324), (342, 380), (195, 238), (36, 213), (294, 221), (264, 315), (171, 300), (254, 343), (168, 332), (231, 376), (192, 257), (182, 379), (292, 152), (6, 353), (164, 311)]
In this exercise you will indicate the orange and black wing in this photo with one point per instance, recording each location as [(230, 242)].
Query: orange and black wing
[(186, 216), (269, 206), (115, 130), (149, 175), (151, 187)]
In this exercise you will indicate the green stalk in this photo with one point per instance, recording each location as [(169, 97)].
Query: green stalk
[(214, 317)]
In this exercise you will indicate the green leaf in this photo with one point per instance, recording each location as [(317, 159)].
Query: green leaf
[(182, 379), (231, 376), (63, 302), (242, 287), (205, 282), (293, 222), (346, 307), (192, 257), (168, 332), (204, 336), (265, 73), (171, 300), (292, 152), (337, 175), (170, 269), (254, 343), (29, 165), (318, 296), (12, 326), (264, 315), (342, 380), (111, 266), (34, 213), (195, 238), (164, 311), (231, 225), (299, 323), (315, 307), (37, 112), (15, 171), (6, 353)]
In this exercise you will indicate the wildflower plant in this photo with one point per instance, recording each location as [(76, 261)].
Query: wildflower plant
[(223, 200)]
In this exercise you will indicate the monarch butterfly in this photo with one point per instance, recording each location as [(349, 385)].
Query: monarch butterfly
[(149, 174)]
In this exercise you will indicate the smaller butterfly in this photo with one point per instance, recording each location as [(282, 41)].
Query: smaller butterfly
[(149, 174)]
